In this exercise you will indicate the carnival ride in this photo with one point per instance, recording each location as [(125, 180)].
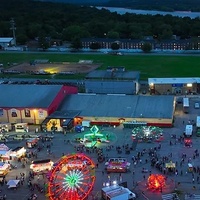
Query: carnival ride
[(72, 178), (147, 134), (156, 182), (94, 137)]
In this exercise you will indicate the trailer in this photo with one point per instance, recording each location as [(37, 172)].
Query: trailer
[(198, 126), (124, 194), (117, 192), (188, 130), (186, 105)]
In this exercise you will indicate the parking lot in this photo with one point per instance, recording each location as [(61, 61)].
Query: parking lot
[(171, 147)]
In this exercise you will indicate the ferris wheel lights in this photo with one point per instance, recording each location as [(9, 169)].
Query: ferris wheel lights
[(71, 179)]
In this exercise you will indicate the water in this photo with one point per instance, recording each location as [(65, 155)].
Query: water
[(122, 11)]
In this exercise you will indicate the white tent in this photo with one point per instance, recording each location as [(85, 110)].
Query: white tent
[(12, 183)]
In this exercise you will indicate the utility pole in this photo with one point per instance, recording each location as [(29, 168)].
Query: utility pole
[(13, 28)]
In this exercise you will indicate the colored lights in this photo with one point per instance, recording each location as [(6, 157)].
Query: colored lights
[(71, 178), (156, 181)]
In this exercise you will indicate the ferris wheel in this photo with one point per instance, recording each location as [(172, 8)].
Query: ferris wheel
[(72, 178)]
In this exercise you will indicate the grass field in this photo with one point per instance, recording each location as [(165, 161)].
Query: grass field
[(148, 65)]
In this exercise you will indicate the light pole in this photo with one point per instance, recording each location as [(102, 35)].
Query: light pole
[(13, 28)]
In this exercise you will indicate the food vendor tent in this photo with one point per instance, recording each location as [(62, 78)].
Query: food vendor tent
[(170, 165), (4, 151), (18, 152)]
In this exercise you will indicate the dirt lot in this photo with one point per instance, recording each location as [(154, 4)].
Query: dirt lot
[(55, 68)]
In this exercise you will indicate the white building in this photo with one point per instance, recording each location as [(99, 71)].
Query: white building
[(6, 42)]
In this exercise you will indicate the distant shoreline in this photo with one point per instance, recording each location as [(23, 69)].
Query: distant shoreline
[(122, 11)]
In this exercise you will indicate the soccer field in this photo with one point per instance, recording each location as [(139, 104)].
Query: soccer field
[(149, 65)]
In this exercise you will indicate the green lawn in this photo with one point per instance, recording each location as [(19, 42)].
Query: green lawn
[(148, 65)]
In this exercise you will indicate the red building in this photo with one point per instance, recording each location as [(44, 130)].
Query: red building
[(31, 103)]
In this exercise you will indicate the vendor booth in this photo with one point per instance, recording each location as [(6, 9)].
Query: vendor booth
[(41, 165), (4, 168), (18, 152), (4, 152), (170, 166), (117, 165), (21, 127)]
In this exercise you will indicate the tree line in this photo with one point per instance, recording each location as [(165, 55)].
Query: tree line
[(44, 21)]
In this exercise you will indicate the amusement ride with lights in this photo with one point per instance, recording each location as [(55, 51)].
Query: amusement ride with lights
[(72, 178)]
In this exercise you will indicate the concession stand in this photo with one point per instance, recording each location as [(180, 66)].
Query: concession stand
[(18, 152), (4, 168), (4, 152), (117, 165)]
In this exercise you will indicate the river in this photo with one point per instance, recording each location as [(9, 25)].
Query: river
[(122, 11)]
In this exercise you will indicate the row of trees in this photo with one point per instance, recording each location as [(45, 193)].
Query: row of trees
[(65, 22)]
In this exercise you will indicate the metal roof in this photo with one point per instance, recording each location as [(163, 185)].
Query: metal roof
[(110, 86), (127, 106), (5, 40), (69, 114), (173, 80), (29, 96), (113, 74)]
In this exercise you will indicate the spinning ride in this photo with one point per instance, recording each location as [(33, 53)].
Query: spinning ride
[(94, 137), (72, 178), (156, 182), (147, 133)]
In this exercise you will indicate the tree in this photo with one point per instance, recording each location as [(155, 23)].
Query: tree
[(146, 47), (115, 46), (74, 30), (95, 46), (76, 43), (43, 41), (113, 35), (21, 39)]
